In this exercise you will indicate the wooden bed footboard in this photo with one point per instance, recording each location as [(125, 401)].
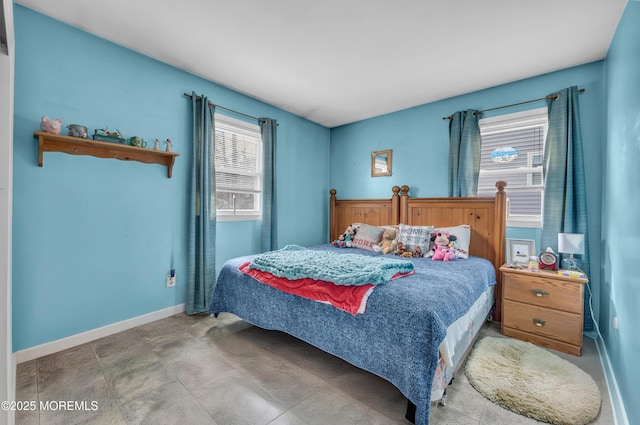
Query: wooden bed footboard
[(487, 217)]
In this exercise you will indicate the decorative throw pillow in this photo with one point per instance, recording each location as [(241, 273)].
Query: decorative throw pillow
[(463, 239), (367, 236), (415, 236), (391, 226)]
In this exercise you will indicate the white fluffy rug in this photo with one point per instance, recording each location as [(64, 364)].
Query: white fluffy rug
[(531, 381)]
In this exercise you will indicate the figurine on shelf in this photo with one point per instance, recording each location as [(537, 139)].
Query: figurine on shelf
[(104, 135), (50, 126), (77, 130), (168, 142), (156, 145), (137, 141)]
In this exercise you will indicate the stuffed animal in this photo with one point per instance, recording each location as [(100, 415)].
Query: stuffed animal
[(443, 247), (402, 250), (348, 236), (340, 243), (345, 239), (388, 244), (416, 252), (51, 126)]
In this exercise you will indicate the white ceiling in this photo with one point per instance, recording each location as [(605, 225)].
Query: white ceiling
[(340, 61)]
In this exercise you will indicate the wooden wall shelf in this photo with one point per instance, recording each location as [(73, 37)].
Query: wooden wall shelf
[(48, 142)]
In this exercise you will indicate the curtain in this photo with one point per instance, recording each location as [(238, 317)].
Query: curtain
[(464, 154), (565, 194), (269, 230), (202, 209)]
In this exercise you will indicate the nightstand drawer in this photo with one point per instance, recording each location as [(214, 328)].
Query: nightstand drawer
[(555, 324), (543, 291)]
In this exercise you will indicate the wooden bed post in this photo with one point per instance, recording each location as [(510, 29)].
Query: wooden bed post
[(333, 222), (499, 243), (404, 207), (395, 204)]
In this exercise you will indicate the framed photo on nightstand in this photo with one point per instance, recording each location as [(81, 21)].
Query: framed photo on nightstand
[(519, 251)]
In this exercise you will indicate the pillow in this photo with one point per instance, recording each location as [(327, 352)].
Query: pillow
[(367, 236), (412, 236), (463, 239), (391, 226)]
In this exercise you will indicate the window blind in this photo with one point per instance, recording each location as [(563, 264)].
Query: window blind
[(525, 132), (238, 165)]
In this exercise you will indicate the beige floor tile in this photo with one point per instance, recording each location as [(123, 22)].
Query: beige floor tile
[(235, 399), (334, 407), (288, 418), (166, 404), (205, 370), (194, 368), (135, 382)]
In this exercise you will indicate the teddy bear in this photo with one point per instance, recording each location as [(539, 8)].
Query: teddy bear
[(388, 244), (402, 250), (345, 240), (443, 247), (51, 126)]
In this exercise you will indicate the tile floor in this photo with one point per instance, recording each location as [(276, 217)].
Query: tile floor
[(201, 370)]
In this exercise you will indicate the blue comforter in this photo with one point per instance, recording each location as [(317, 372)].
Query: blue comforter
[(297, 262), (397, 338)]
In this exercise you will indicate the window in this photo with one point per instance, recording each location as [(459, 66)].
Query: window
[(238, 161), (512, 150)]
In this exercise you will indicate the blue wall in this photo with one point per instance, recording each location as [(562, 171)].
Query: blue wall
[(620, 225), (93, 239), (419, 138)]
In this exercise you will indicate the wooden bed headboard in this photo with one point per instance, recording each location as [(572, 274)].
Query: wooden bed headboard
[(486, 216), (377, 212)]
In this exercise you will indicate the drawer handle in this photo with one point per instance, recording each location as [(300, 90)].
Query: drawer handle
[(539, 292), (539, 322)]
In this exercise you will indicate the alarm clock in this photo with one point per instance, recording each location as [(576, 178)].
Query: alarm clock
[(548, 261)]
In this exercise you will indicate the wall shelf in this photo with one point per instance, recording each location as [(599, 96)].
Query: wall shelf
[(48, 142)]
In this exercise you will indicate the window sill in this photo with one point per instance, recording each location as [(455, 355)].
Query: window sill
[(237, 217), (521, 222)]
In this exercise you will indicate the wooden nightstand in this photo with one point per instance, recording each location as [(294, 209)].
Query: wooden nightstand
[(543, 308)]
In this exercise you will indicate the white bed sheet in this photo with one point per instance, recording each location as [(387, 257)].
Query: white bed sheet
[(460, 335)]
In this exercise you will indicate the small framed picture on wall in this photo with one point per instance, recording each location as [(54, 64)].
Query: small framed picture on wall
[(519, 251)]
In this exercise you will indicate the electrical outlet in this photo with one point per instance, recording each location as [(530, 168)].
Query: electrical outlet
[(171, 279)]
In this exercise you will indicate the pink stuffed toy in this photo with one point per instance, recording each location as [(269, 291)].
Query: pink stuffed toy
[(443, 247), (50, 126)]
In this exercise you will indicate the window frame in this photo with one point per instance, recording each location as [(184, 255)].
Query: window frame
[(223, 121), (521, 220)]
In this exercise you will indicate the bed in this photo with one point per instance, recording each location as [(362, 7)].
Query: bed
[(416, 330)]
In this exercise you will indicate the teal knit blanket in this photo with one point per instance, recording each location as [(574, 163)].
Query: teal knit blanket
[(296, 262)]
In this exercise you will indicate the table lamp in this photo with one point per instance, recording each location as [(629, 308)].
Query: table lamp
[(571, 243)]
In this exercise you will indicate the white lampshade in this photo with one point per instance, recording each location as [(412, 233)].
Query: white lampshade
[(571, 243)]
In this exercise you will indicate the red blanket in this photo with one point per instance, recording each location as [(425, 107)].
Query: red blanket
[(352, 299)]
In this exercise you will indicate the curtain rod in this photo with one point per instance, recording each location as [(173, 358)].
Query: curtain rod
[(226, 109), (513, 104)]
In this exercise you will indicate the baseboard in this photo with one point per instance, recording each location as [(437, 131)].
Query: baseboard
[(88, 336), (617, 405)]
